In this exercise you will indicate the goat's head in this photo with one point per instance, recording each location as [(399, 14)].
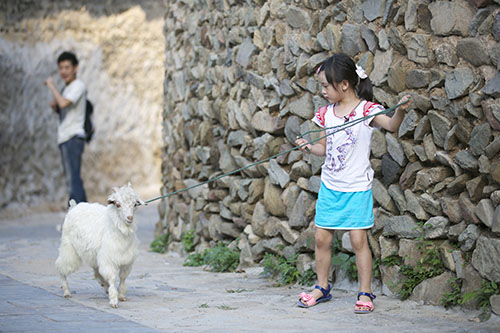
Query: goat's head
[(126, 201)]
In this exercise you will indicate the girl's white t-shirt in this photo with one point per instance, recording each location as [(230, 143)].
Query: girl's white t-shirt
[(74, 114), (347, 165)]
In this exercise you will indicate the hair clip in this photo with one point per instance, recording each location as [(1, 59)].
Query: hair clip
[(361, 72), (319, 69)]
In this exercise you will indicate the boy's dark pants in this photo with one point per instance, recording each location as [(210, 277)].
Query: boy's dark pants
[(71, 153)]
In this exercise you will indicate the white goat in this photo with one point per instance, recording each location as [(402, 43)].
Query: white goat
[(104, 237)]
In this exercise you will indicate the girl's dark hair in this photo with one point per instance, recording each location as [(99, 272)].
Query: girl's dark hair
[(340, 67), (68, 56)]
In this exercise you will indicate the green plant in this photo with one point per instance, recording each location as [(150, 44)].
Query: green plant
[(194, 259), (392, 260), (454, 297), (309, 242), (239, 290), (307, 277), (482, 297), (467, 258), (336, 244), (430, 265), (347, 263), (284, 270), (219, 258), (376, 268), (344, 261), (483, 294), (281, 268), (455, 244), (160, 243), (187, 240), (226, 307)]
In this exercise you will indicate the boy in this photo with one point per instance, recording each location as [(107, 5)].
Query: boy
[(70, 105)]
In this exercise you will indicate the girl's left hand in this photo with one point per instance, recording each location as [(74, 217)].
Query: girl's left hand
[(405, 106)]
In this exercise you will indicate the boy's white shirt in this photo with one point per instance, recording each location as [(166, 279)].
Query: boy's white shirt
[(72, 124), (347, 165)]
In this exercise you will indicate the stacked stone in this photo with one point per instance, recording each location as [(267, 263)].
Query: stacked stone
[(240, 87)]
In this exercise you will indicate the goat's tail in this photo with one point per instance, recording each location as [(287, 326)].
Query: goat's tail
[(72, 203)]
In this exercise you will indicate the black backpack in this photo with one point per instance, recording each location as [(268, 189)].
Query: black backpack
[(88, 125)]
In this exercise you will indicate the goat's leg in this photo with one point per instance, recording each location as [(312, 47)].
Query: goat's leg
[(67, 262), (101, 280), (109, 273), (122, 288), (65, 286), (112, 292)]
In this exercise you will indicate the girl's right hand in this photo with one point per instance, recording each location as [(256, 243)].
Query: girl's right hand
[(302, 141)]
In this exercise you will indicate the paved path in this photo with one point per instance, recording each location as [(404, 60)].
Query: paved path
[(30, 309), (166, 296)]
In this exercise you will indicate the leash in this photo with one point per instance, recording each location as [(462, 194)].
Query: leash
[(334, 129)]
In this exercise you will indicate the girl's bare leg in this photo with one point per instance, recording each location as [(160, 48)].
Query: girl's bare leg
[(324, 239), (359, 242)]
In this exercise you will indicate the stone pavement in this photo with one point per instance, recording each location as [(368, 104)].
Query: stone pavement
[(25, 308), (166, 296)]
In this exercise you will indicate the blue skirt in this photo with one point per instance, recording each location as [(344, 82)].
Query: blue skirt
[(344, 210)]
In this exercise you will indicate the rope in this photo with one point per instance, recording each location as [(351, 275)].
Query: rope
[(334, 128)]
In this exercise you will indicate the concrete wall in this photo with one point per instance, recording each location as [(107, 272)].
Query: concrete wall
[(120, 46), (239, 86)]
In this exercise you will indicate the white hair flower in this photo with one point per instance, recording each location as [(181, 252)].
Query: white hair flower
[(361, 72)]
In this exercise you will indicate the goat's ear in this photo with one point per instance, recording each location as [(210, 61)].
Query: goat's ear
[(129, 185), (114, 202)]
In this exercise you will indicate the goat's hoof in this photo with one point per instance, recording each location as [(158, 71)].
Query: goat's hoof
[(122, 298), (114, 303), (67, 295)]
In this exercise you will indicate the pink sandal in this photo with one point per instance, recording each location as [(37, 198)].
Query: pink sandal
[(368, 305), (307, 300)]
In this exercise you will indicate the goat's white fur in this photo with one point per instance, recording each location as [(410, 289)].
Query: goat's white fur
[(104, 237)]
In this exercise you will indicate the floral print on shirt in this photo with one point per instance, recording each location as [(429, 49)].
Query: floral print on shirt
[(336, 156)]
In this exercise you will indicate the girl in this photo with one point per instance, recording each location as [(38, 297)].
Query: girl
[(345, 198)]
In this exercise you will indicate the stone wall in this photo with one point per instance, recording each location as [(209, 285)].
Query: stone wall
[(240, 86), (120, 45)]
